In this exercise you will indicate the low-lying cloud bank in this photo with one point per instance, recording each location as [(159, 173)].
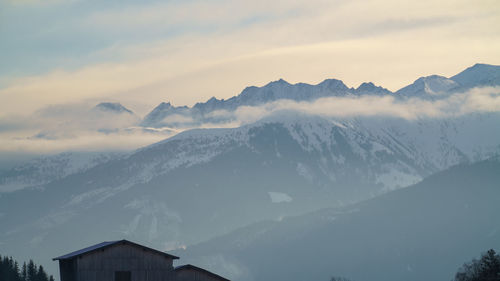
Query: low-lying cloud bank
[(74, 127), (485, 99)]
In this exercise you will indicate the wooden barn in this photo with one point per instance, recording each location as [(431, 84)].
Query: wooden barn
[(127, 261), (190, 272)]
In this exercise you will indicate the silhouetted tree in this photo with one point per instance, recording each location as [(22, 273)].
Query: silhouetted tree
[(41, 275), (487, 268), (24, 272), (9, 271), (32, 272)]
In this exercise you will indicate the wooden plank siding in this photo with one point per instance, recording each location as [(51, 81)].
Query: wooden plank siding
[(67, 270), (144, 265)]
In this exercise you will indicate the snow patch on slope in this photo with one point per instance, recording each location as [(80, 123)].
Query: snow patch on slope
[(279, 197)]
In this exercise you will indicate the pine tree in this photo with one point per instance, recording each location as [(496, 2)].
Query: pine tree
[(9, 271), (32, 272), (485, 269), (490, 266), (24, 272), (16, 269), (41, 274), (2, 267)]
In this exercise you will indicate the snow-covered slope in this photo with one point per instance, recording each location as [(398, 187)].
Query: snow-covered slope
[(45, 169), (479, 75), (430, 86), (435, 86)]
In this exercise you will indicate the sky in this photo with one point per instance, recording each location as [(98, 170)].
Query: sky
[(141, 53)]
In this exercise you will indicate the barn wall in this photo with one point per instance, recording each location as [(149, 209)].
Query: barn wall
[(67, 270), (144, 265), (192, 274)]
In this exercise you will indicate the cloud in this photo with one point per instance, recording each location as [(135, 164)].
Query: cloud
[(177, 118), (186, 14), (76, 127), (71, 127), (82, 141), (478, 100), (83, 116)]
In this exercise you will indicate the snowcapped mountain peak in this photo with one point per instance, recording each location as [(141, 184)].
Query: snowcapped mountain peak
[(212, 99), (163, 105), (280, 82), (428, 86), (480, 65), (156, 117), (278, 85), (370, 88), (333, 84), (113, 107), (166, 106), (434, 86), (249, 88), (479, 75), (210, 105), (366, 85)]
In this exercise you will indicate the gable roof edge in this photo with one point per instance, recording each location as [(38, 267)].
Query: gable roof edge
[(107, 244)]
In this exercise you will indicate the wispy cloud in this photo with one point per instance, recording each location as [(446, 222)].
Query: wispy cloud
[(84, 141), (187, 14), (75, 127), (188, 75), (60, 128), (477, 100)]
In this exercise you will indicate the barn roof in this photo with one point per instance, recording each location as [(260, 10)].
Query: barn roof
[(192, 267), (104, 245)]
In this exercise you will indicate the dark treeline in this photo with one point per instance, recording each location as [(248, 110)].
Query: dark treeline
[(487, 268), (10, 270)]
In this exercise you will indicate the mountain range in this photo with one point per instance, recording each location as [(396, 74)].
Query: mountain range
[(429, 87), (206, 183)]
